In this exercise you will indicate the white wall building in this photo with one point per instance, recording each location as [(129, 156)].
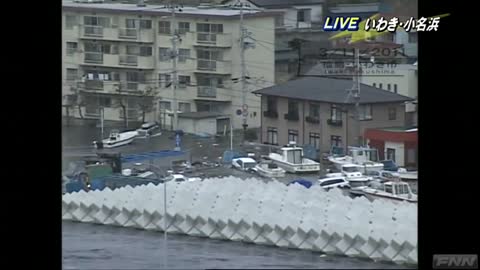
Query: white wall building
[(294, 14), (119, 56)]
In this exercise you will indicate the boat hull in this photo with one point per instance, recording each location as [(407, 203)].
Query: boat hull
[(298, 168), (374, 196)]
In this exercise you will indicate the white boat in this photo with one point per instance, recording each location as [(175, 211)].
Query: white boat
[(116, 139), (269, 169), (364, 158), (393, 190), (291, 159), (407, 175), (149, 129), (352, 175)]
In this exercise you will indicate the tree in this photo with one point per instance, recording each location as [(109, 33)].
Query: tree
[(146, 101)]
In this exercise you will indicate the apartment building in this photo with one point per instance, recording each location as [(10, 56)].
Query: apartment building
[(317, 111), (118, 59)]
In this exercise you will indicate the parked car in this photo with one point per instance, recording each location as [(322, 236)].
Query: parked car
[(244, 163), (333, 182)]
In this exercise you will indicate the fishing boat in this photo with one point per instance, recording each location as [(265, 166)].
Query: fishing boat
[(393, 190), (352, 175), (269, 169), (364, 158), (292, 160), (149, 129), (117, 138)]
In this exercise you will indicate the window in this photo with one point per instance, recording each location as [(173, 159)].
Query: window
[(96, 21), (209, 55), (70, 21), (164, 27), (388, 188), (391, 154), (105, 102), (271, 104), (209, 28), (183, 81), (183, 27), (412, 37), (365, 112), (315, 140), (314, 110), (395, 89), (411, 156), (130, 23), (164, 79), (145, 24), (336, 141), (164, 105), (335, 113), (292, 107), (145, 51), (292, 135), (164, 54), (272, 135), (133, 50), (392, 113), (71, 48), (183, 55), (380, 86), (135, 77), (208, 107), (294, 156), (278, 21), (98, 75), (210, 81), (72, 74), (389, 87), (303, 15), (184, 107)]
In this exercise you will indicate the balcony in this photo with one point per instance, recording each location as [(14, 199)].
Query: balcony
[(93, 58), (206, 91), (291, 116), (270, 114), (212, 66), (98, 85), (335, 122), (211, 39), (92, 31), (128, 60), (127, 33), (312, 120)]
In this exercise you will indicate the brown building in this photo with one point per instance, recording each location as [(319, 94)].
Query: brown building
[(318, 111)]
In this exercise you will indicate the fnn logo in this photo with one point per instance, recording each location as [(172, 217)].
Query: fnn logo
[(455, 261)]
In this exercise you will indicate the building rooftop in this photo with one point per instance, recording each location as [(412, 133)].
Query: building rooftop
[(160, 10), (330, 90), (356, 8), (284, 3)]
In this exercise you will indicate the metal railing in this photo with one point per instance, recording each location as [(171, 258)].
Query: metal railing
[(128, 33), (206, 64), (129, 60), (93, 31), (93, 57), (206, 91), (207, 38)]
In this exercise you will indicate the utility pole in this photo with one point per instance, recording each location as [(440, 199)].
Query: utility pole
[(242, 80), (356, 94), (174, 69)]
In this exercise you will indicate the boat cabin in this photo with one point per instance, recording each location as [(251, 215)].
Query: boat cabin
[(397, 188), (292, 153), (363, 154)]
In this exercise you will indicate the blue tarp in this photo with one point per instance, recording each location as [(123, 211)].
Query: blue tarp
[(151, 155), (302, 182), (75, 186)]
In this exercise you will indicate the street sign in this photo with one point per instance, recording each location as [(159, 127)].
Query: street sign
[(245, 107), (245, 113), (239, 112), (177, 140)]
